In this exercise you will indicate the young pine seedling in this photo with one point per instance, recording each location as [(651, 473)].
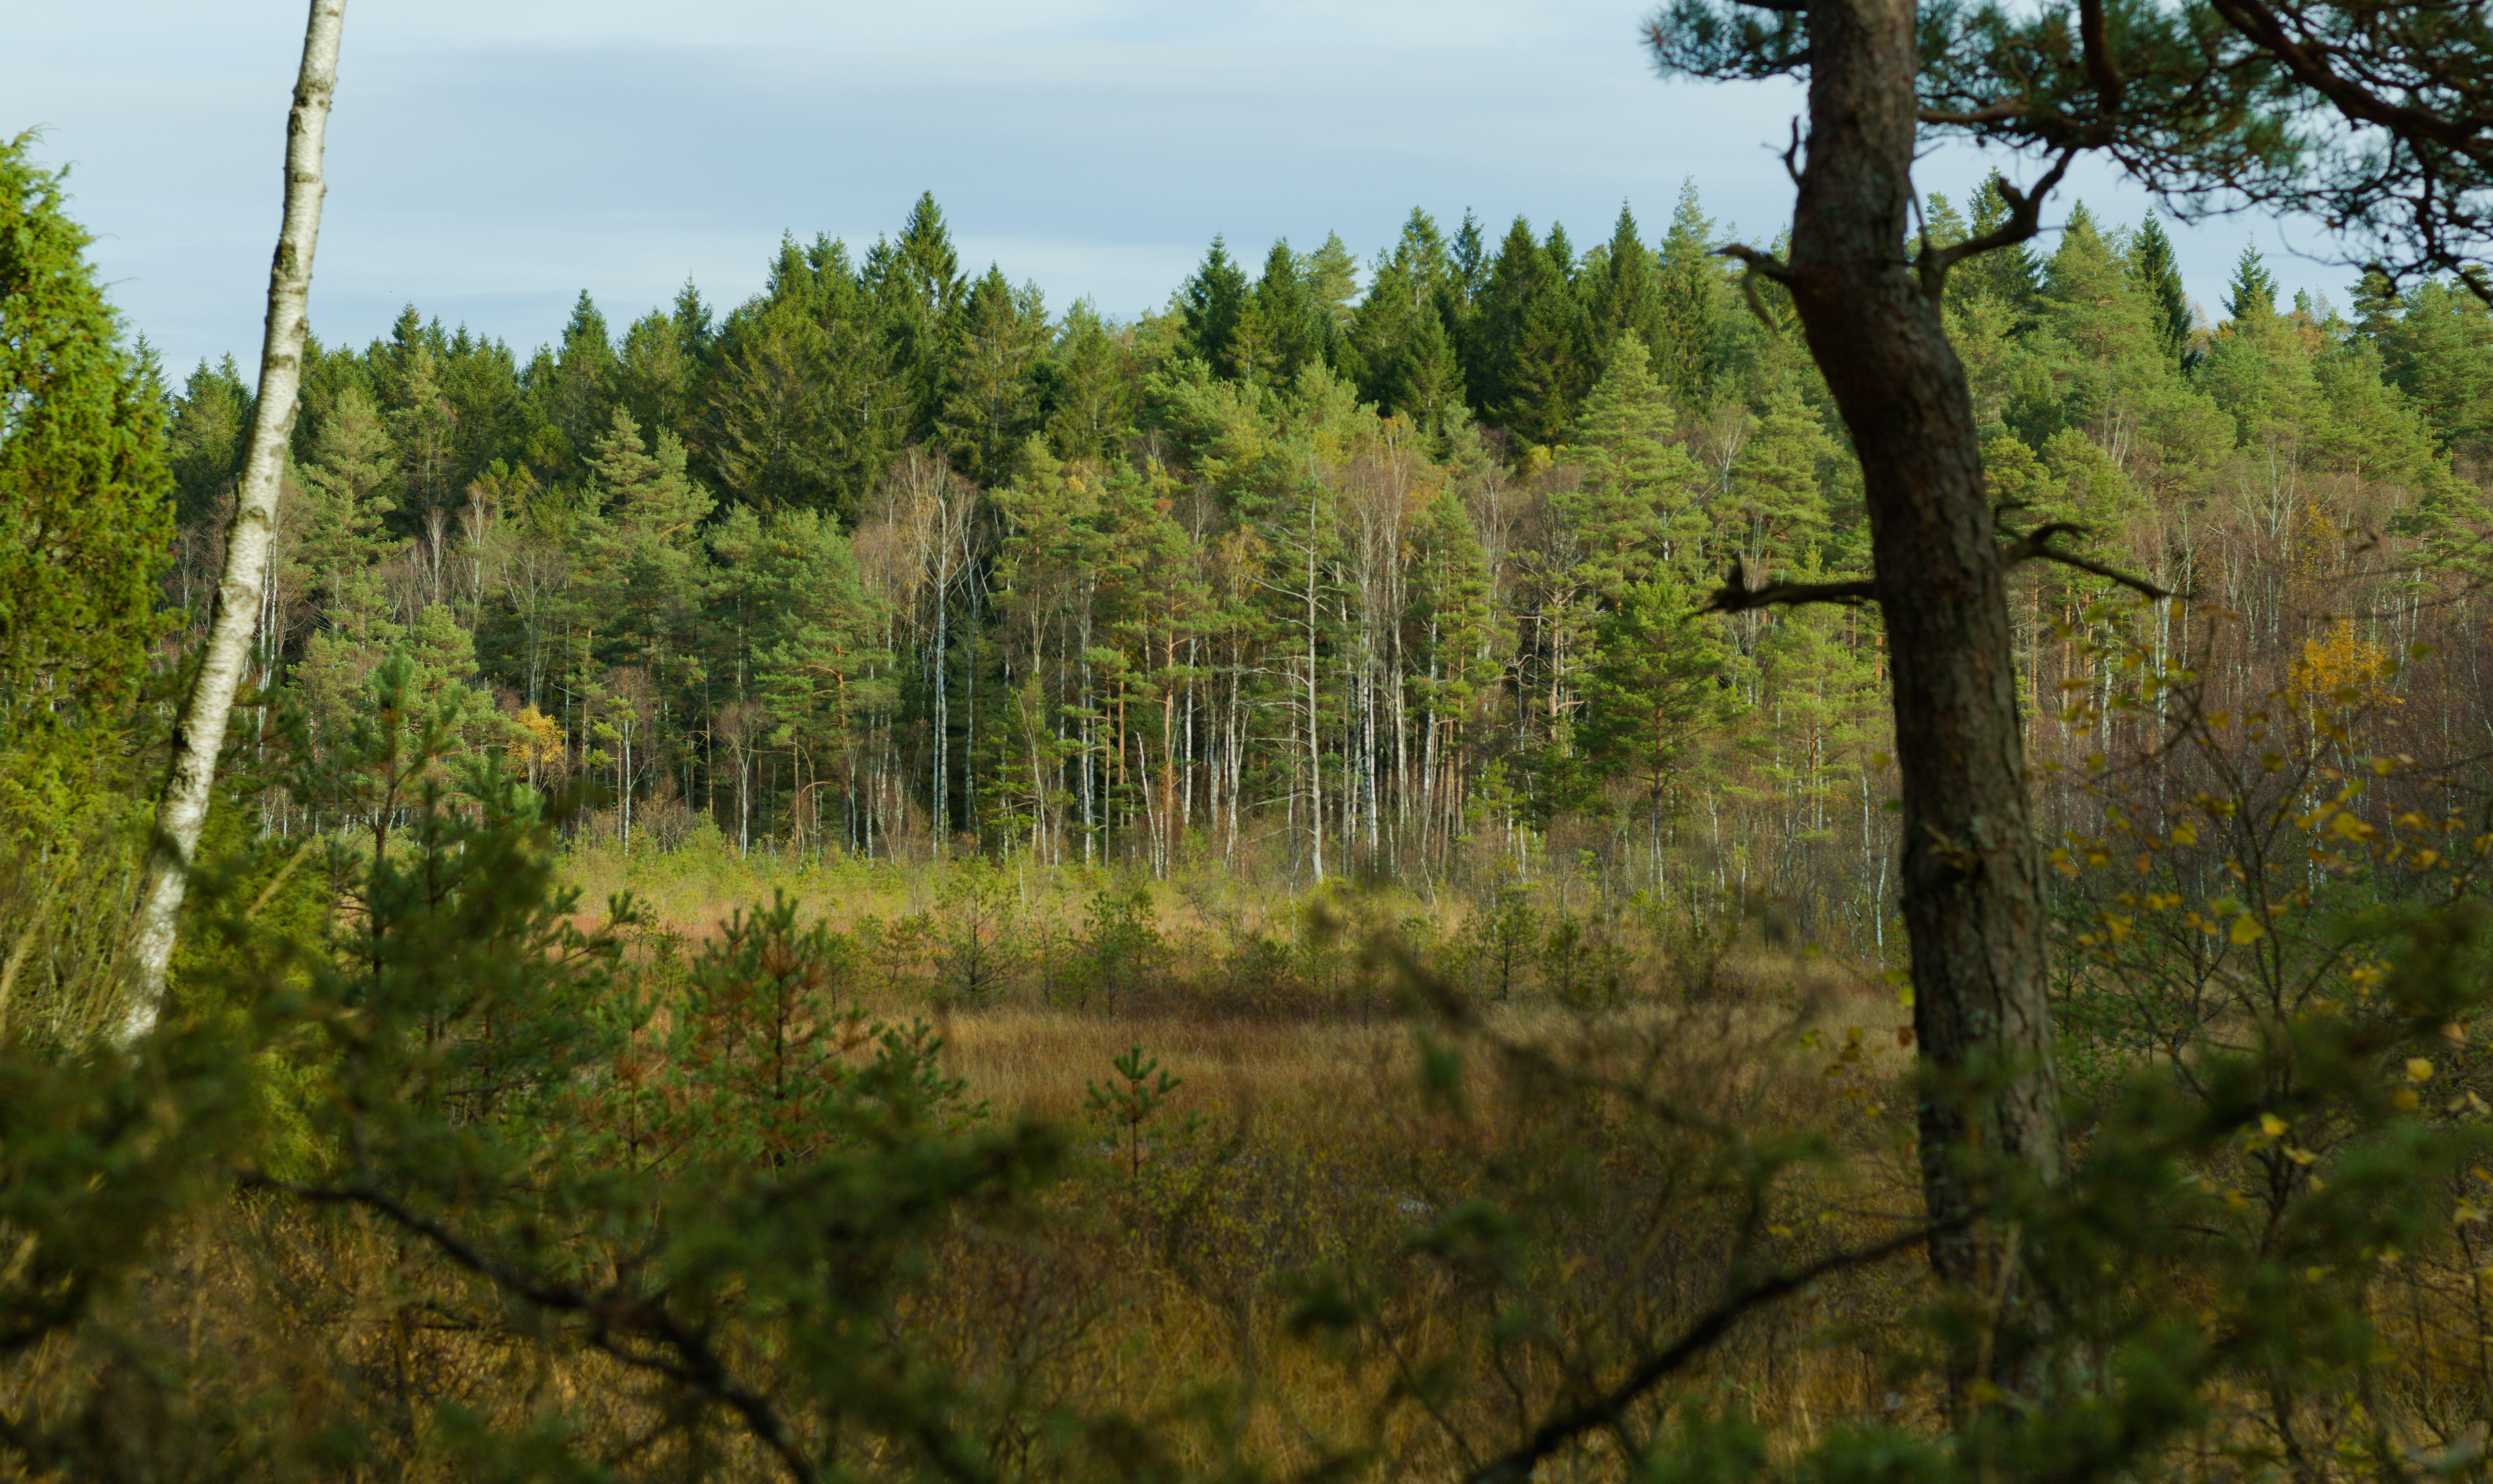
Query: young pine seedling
[(1139, 1091)]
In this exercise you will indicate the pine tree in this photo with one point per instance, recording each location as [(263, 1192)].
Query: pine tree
[(2440, 352), (1333, 280), (1638, 487), (793, 630), (2377, 306), (1778, 501), (2097, 357)]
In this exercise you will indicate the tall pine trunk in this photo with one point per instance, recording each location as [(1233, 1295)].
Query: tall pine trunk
[(1972, 873)]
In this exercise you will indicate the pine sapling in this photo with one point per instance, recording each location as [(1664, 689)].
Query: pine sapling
[(1126, 1108)]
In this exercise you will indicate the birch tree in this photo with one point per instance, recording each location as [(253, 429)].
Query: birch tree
[(202, 731)]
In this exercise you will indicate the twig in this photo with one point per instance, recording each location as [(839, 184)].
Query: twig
[(1609, 1410), (615, 1318)]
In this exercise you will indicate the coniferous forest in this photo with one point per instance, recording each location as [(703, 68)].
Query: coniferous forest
[(1328, 568), (894, 881)]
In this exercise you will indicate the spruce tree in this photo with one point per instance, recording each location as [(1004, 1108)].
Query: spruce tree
[(577, 390), (1210, 304), (1624, 297), (658, 374), (917, 286), (2008, 276), (1088, 387), (206, 436), (1693, 303), (1283, 327), (807, 404), (2154, 270), (1469, 258), (1398, 347), (85, 510), (993, 405), (1654, 692), (1530, 357), (351, 488), (2251, 292)]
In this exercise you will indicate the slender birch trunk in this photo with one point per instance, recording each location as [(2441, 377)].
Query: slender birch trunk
[(201, 732)]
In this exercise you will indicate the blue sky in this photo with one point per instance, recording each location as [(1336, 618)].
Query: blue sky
[(489, 158)]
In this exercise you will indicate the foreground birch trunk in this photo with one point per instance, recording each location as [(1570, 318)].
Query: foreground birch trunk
[(200, 733)]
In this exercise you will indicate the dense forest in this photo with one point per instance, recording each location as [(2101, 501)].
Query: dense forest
[(1325, 568), (1104, 978)]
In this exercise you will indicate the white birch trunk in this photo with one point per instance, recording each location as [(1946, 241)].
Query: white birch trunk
[(202, 733)]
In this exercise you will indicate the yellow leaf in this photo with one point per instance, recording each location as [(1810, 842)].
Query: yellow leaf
[(2418, 1070), (2185, 834), (2246, 931), (2271, 1125), (2405, 1098)]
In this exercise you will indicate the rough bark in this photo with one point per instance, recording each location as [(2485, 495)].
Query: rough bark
[(1972, 871), (200, 735)]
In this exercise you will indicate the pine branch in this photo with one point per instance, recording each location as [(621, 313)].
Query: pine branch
[(2036, 546), (1735, 595)]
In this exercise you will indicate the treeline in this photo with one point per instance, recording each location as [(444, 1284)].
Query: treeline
[(1315, 573)]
